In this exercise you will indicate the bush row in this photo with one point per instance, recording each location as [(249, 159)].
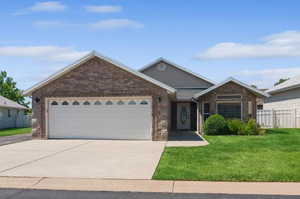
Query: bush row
[(217, 125)]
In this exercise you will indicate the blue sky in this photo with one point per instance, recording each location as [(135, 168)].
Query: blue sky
[(255, 41)]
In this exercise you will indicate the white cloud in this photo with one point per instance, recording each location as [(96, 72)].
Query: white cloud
[(46, 24), (50, 53), (266, 78), (56, 24), (100, 25), (103, 9), (285, 44), (46, 6), (116, 24)]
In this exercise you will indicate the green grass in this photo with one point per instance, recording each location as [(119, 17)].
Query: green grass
[(273, 157), (14, 131)]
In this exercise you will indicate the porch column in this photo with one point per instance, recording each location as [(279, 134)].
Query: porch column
[(198, 116)]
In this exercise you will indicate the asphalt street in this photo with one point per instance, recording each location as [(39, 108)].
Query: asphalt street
[(4, 140), (52, 194)]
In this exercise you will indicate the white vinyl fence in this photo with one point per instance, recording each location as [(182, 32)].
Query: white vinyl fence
[(289, 118)]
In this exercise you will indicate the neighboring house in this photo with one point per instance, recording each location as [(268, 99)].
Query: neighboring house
[(284, 96), (99, 98), (260, 101), (12, 114)]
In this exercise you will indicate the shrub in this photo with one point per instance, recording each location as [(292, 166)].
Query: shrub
[(234, 126), (243, 129), (262, 131), (215, 125), (252, 127)]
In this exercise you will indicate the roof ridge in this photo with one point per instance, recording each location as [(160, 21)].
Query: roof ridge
[(88, 57)]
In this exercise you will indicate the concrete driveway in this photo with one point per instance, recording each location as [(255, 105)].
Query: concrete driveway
[(81, 159)]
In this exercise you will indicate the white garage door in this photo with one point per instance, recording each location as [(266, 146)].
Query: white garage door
[(100, 118)]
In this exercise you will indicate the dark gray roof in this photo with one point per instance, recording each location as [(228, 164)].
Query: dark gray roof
[(7, 103)]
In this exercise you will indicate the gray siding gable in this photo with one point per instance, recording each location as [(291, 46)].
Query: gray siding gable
[(174, 76), (284, 95)]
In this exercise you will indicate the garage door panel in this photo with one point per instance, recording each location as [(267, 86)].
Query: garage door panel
[(113, 119)]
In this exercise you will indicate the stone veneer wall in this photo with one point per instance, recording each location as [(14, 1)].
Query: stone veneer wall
[(98, 78)]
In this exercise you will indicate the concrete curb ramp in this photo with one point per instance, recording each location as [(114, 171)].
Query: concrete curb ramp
[(83, 184)]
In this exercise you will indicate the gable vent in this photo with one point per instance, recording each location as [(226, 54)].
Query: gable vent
[(161, 67)]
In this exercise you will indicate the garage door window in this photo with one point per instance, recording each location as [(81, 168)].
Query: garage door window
[(86, 103), (54, 103), (120, 102), (97, 103), (144, 102), (75, 103), (65, 103), (109, 103), (132, 102)]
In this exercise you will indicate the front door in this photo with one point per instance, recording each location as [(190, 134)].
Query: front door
[(183, 116)]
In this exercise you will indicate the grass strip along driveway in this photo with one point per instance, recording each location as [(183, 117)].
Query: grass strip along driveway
[(273, 157), (14, 131)]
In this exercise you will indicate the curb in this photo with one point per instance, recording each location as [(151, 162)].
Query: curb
[(89, 184)]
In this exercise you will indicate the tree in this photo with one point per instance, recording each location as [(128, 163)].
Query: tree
[(281, 80), (8, 89)]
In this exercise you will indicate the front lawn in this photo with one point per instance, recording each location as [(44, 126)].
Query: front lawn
[(273, 157), (14, 131)]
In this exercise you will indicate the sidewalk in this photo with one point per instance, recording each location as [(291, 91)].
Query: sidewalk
[(82, 184)]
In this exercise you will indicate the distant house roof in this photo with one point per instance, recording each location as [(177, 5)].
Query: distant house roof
[(288, 84), (231, 79), (178, 67), (7, 103), (85, 59)]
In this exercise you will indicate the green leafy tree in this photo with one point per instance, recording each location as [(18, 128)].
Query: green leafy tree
[(281, 80), (8, 89)]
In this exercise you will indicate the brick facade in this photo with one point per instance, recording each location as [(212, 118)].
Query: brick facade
[(228, 89), (98, 78)]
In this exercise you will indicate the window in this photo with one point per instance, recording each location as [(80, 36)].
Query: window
[(54, 103), (97, 103), (76, 103), (229, 110), (109, 103), (65, 103), (206, 110), (86, 103), (229, 97), (132, 102), (8, 113), (120, 102), (144, 102), (260, 106)]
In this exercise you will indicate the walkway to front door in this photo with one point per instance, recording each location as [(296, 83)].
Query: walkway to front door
[(185, 139)]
